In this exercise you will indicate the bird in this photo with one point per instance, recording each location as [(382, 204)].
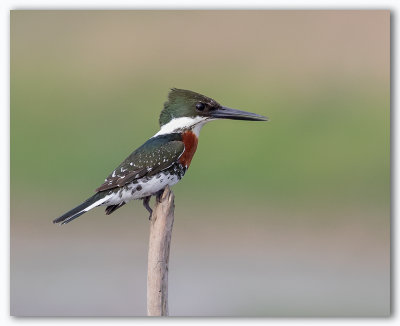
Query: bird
[(163, 159)]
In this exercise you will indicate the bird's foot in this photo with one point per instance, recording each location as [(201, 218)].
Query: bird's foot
[(146, 205), (159, 195)]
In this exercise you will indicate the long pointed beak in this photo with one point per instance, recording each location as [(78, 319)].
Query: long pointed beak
[(227, 113)]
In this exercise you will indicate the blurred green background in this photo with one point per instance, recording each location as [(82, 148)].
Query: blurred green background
[(285, 218)]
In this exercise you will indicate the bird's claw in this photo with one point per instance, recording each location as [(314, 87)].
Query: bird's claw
[(146, 201), (159, 195)]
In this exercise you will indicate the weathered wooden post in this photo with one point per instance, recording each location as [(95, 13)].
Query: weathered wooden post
[(159, 244)]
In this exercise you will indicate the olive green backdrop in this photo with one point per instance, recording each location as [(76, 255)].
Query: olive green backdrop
[(285, 218)]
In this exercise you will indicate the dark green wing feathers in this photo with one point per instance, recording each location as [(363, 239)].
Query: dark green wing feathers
[(154, 156)]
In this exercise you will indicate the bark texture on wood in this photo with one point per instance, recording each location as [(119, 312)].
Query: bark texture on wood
[(159, 243)]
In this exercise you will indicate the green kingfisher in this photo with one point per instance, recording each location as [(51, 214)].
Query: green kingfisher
[(164, 158)]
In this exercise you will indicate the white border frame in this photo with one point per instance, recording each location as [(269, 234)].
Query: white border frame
[(7, 5)]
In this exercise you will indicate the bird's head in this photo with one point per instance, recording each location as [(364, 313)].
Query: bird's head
[(186, 109)]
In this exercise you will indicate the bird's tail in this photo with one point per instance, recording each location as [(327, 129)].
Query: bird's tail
[(92, 202)]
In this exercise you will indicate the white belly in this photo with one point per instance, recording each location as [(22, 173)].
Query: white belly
[(143, 188)]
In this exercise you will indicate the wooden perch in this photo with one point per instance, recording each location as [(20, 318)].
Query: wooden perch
[(161, 224)]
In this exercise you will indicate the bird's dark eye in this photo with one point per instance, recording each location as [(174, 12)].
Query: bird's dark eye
[(200, 106)]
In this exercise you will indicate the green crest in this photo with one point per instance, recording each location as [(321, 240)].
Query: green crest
[(182, 103)]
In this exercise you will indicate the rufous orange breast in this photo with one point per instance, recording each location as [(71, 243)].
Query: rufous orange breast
[(190, 140)]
